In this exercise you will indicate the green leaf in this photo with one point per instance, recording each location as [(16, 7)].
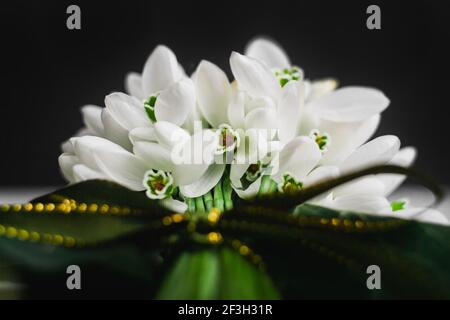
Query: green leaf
[(40, 270), (215, 273), (87, 213), (104, 192), (326, 258), (290, 200), (66, 229)]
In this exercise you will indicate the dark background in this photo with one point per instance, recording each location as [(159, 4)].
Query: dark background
[(48, 72)]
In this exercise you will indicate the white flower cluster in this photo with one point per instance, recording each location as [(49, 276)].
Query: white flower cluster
[(176, 137)]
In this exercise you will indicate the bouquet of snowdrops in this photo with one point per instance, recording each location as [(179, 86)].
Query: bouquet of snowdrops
[(266, 186)]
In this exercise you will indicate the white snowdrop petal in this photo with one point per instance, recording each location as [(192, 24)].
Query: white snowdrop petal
[(126, 110), (321, 174), (176, 102), (114, 131), (142, 134), (206, 182), (236, 173), (433, 216), (289, 110), (268, 52), (405, 158), (169, 134), (83, 173), (298, 158), (254, 77), (350, 104), (346, 137), (375, 152), (67, 147), (160, 71), (133, 85), (319, 88), (66, 163), (154, 155), (193, 158), (251, 191), (112, 160), (92, 118), (174, 205), (236, 110), (261, 118), (213, 92), (361, 203), (122, 167), (364, 186)]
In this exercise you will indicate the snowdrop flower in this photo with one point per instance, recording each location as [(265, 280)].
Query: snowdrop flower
[(167, 93), (346, 117), (340, 122), (371, 194), (93, 157), (247, 114)]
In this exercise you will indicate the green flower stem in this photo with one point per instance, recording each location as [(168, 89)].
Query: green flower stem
[(273, 186), (228, 192), (218, 197), (191, 204), (209, 201), (200, 206), (265, 185)]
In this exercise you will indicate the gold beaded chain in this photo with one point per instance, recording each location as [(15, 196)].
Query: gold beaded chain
[(68, 206), (214, 217), (335, 223)]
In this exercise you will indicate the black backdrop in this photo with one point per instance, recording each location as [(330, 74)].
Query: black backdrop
[(48, 72)]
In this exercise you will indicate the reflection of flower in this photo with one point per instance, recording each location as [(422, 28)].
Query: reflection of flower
[(177, 136)]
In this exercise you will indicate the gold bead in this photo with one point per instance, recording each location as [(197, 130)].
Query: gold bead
[(214, 215), (214, 237), (23, 234), (34, 236), (58, 240), (244, 250), (104, 208), (38, 207), (167, 221), (177, 217), (82, 208), (11, 232), (49, 207), (69, 242)]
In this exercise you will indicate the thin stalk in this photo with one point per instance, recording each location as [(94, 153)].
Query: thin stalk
[(191, 204), (273, 186), (218, 197), (228, 192), (200, 206), (265, 185), (209, 201)]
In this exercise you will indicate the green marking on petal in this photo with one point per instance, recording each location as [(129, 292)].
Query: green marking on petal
[(322, 139), (288, 74), (289, 184), (159, 184), (149, 106), (229, 140), (398, 205)]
